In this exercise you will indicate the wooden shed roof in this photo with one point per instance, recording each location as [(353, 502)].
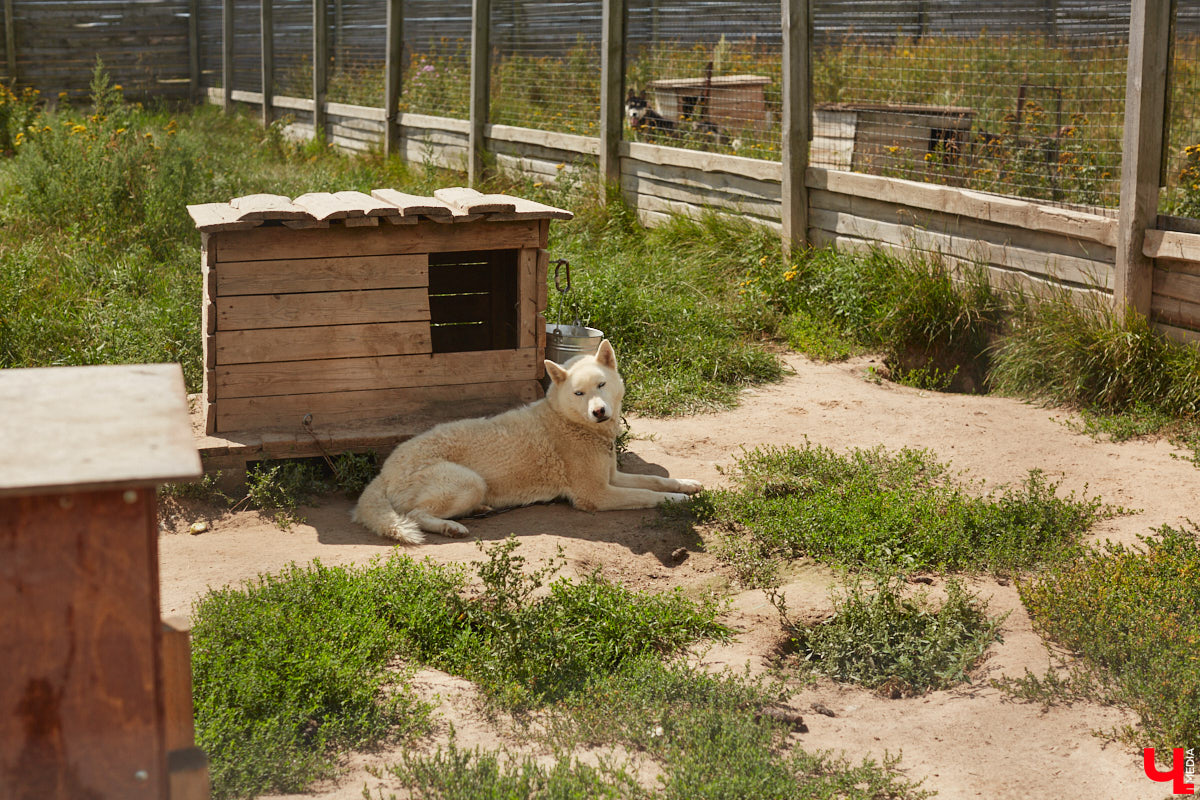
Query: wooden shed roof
[(316, 209)]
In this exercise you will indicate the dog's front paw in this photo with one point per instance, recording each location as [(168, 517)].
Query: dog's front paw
[(454, 530), (689, 486), (675, 497)]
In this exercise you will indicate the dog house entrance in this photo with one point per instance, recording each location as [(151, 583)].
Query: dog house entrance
[(473, 300)]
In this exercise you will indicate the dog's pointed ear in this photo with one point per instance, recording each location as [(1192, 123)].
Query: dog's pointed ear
[(605, 355), (556, 373)]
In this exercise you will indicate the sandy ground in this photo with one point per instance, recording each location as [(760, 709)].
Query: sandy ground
[(968, 742)]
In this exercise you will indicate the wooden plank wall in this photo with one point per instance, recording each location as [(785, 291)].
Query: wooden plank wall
[(144, 45)]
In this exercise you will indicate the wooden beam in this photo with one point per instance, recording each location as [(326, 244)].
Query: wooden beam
[(320, 66), (481, 17), (193, 50), (393, 78), (612, 90), (10, 40), (227, 55), (797, 121), (1141, 162), (267, 31)]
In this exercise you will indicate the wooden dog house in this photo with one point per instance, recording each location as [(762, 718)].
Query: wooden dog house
[(339, 321), (96, 697), (731, 102), (881, 137)]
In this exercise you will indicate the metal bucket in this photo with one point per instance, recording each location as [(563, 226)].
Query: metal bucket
[(564, 342)]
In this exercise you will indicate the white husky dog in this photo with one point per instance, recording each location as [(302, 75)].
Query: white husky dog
[(561, 446)]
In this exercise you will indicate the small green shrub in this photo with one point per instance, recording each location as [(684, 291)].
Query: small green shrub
[(1132, 617), (292, 667), (454, 774), (898, 645), (874, 508), (1086, 357)]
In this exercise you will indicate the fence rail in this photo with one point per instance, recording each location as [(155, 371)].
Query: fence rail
[(853, 124)]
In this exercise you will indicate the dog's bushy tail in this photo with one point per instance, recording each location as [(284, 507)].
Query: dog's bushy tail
[(375, 512)]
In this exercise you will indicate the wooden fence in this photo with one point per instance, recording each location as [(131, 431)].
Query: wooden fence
[(1139, 259)]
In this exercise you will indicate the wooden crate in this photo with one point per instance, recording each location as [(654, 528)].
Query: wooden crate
[(96, 695), (340, 321), (734, 102)]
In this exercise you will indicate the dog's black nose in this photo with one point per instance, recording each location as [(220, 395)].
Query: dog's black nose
[(599, 413)]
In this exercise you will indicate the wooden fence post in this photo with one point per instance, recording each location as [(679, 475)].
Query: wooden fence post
[(1141, 162), (320, 66), (612, 88), (227, 55), (267, 32), (481, 45), (797, 121), (393, 80), (10, 40), (194, 51)]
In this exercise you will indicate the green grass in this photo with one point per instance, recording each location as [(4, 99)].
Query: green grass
[(873, 508), (1131, 615), (884, 639), (294, 667), (704, 733)]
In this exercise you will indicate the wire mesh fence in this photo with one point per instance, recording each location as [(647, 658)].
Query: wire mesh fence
[(437, 58), (546, 65), (705, 75), (1182, 174), (291, 47), (1023, 98)]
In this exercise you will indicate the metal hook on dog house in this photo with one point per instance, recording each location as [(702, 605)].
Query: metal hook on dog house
[(565, 266)]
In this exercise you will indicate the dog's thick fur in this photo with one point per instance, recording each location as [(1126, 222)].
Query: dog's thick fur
[(561, 446)]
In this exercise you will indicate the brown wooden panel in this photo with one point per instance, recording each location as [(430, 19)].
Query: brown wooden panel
[(327, 341), (80, 715), (280, 243), (321, 308), (1180, 313), (408, 405), (380, 372), (527, 297), (321, 274)]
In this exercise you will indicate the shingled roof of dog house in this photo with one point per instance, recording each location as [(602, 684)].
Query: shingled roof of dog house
[(349, 321)]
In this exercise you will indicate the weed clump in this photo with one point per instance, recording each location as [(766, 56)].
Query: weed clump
[(872, 508), (1132, 616), (898, 645)]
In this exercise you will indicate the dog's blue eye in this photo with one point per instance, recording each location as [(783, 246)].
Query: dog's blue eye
[(579, 394), (601, 384)]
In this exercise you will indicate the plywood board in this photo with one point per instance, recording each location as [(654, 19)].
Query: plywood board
[(246, 312), (322, 274), (328, 341), (80, 428), (213, 217), (380, 372)]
